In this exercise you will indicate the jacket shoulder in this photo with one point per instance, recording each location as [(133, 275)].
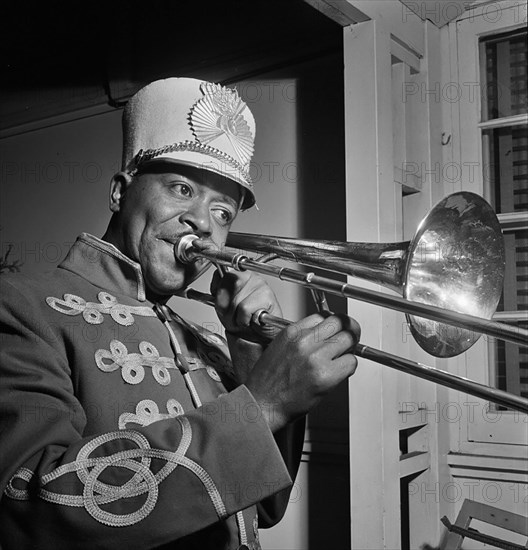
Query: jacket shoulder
[(12, 285)]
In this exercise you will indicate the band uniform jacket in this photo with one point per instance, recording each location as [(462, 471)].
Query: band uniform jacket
[(117, 426)]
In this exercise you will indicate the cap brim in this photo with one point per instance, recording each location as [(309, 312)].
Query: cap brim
[(205, 162)]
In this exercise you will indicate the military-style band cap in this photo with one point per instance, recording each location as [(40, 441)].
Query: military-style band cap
[(191, 122)]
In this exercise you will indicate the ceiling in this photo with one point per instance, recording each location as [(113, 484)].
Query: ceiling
[(58, 56)]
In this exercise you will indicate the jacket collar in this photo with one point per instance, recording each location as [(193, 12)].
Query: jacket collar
[(105, 266)]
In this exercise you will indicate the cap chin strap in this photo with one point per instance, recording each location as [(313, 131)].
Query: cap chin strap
[(195, 147)]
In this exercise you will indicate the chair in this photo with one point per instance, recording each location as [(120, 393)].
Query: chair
[(488, 514)]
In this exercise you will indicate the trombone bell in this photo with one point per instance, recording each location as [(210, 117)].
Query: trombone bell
[(455, 261)]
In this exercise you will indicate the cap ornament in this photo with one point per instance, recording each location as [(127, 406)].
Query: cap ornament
[(219, 113)]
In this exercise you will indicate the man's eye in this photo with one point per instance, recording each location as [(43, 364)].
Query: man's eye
[(224, 216), (182, 189)]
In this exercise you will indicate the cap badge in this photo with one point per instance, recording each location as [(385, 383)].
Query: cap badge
[(219, 113)]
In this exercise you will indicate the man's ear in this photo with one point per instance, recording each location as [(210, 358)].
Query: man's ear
[(118, 187)]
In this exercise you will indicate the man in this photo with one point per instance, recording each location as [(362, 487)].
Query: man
[(145, 433)]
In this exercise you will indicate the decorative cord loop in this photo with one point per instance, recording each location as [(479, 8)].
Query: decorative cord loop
[(144, 481)]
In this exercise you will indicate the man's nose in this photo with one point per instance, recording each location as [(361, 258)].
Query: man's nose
[(197, 217)]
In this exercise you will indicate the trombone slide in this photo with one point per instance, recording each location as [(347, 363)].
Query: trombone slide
[(408, 366)]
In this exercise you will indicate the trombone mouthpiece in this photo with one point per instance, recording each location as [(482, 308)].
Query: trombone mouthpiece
[(183, 247)]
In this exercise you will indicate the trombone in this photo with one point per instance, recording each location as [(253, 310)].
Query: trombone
[(450, 275)]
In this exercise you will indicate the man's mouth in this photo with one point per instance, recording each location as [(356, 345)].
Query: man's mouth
[(198, 263), (170, 242), (174, 238)]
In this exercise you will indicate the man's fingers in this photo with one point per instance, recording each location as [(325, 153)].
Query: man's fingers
[(354, 328), (309, 322), (326, 330), (339, 323), (225, 289), (215, 282), (346, 364), (339, 344), (258, 299), (238, 296)]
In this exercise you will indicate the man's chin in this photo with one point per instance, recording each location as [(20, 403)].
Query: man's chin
[(173, 283)]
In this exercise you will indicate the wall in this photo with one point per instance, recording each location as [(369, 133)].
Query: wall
[(54, 184)]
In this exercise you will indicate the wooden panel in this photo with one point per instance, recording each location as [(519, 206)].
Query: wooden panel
[(491, 467), (400, 22), (372, 206), (414, 463), (439, 13), (395, 129)]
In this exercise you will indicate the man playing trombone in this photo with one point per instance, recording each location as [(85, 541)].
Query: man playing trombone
[(155, 432)]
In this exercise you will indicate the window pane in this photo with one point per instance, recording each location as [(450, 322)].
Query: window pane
[(515, 294), (505, 75), (507, 170), (511, 360), (513, 380)]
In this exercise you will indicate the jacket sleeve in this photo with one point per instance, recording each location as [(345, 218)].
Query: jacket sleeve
[(140, 488), (290, 439)]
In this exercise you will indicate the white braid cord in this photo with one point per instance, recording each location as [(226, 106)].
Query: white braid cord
[(187, 377), (133, 365), (241, 528), (92, 312), (143, 481)]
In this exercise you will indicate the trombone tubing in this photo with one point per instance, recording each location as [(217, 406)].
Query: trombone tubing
[(408, 366), (241, 262)]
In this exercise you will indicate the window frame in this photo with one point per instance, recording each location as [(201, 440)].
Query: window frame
[(483, 425)]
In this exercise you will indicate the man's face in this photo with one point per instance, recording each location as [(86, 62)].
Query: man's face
[(162, 204)]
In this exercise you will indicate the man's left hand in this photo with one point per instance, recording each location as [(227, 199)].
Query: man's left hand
[(238, 296)]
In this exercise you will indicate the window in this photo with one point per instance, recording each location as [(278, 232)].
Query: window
[(505, 160), (487, 58)]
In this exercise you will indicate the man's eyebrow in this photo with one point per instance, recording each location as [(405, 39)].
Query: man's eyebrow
[(220, 196), (172, 176), (227, 198)]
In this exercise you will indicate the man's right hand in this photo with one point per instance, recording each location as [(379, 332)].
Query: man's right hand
[(302, 364)]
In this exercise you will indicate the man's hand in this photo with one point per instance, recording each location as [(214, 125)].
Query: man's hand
[(304, 362), (238, 296)]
